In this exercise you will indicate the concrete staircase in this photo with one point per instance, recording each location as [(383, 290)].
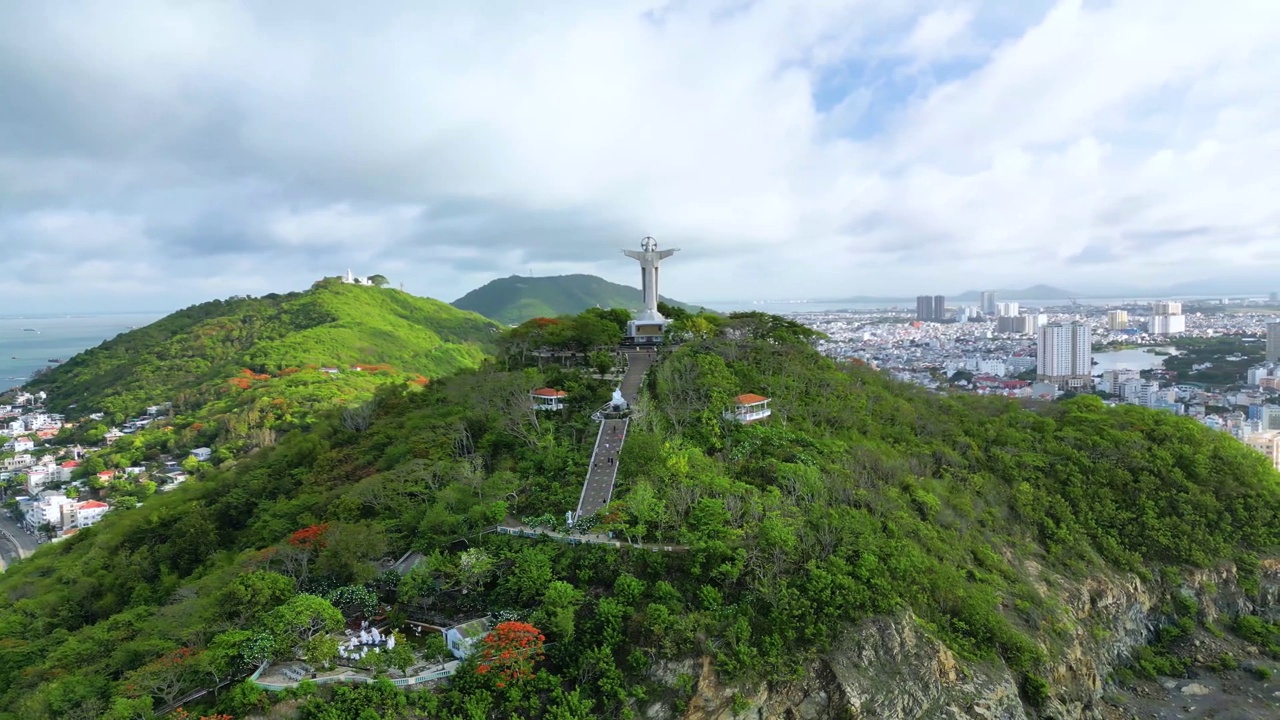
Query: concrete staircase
[(597, 489)]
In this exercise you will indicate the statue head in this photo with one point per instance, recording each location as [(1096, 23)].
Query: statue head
[(648, 244)]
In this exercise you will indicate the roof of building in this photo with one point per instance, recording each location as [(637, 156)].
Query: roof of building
[(472, 628), (750, 399), (93, 505), (69, 464), (547, 392)]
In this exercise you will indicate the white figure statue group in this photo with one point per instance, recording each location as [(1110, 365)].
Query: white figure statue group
[(368, 639)]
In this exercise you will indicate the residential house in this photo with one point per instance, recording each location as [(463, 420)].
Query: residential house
[(112, 435), (17, 462), (23, 444), (202, 454), (83, 514)]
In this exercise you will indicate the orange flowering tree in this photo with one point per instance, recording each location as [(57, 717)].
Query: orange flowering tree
[(510, 651), (310, 537)]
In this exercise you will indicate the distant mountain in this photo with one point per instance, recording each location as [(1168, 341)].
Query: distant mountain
[(263, 358), (514, 299), (1217, 286), (1035, 292)]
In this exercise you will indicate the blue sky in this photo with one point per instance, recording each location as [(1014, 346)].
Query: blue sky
[(154, 154)]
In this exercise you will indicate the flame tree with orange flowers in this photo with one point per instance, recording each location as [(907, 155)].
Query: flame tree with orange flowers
[(510, 651)]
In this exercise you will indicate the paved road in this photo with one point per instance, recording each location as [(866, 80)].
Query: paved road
[(26, 544), (597, 489)]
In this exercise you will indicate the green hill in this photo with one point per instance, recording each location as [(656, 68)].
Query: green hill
[(513, 300), (860, 497), (232, 353)]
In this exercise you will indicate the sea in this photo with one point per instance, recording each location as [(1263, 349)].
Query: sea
[(30, 342)]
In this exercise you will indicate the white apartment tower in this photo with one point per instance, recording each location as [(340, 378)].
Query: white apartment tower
[(1167, 318), (1117, 319), (1065, 355)]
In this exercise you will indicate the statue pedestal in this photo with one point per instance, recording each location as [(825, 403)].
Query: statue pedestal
[(646, 332)]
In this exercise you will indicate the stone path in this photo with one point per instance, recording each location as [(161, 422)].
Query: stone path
[(597, 489)]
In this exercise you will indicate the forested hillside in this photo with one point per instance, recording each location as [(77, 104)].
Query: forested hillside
[(859, 496), (242, 350), (513, 300)]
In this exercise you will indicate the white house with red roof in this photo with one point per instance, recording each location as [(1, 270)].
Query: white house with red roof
[(749, 408), (83, 514), (548, 398)]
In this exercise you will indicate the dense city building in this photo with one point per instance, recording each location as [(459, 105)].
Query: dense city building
[(1117, 319), (1273, 342), (1006, 309), (1065, 355), (988, 303)]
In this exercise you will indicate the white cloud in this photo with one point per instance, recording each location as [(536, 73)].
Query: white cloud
[(454, 142)]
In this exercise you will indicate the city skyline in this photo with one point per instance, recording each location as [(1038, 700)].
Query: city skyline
[(157, 154)]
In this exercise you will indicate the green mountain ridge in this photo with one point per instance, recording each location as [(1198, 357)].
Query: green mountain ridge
[(231, 354), (515, 299), (858, 498)]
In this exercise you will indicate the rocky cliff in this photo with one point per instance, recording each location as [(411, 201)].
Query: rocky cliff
[(892, 667)]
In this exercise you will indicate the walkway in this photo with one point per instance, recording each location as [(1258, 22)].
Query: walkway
[(597, 489)]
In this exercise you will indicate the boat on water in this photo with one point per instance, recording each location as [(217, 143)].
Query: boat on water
[(54, 360), (29, 330)]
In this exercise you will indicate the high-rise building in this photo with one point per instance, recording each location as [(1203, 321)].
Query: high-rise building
[(924, 308), (1167, 324), (1274, 298), (1005, 309), (1065, 355), (988, 304), (1273, 342), (1166, 318), (939, 308), (1117, 319), (1016, 324)]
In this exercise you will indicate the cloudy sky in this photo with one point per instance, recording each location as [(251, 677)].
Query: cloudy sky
[(154, 154)]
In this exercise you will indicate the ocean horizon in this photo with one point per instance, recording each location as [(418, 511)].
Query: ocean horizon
[(29, 342)]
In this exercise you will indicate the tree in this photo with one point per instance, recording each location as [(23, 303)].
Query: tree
[(559, 604), (354, 600), (320, 650), (378, 280), (510, 651), (305, 616), (347, 551), (166, 677), (401, 656), (253, 594), (435, 648)]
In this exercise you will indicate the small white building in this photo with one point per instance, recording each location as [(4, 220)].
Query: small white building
[(23, 444), (548, 398), (462, 639), (202, 454), (748, 408)]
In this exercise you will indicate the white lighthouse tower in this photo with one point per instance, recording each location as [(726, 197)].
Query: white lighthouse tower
[(648, 326)]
